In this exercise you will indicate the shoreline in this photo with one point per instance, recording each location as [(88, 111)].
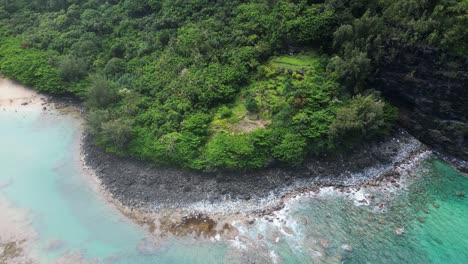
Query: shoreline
[(221, 221), (139, 185), (177, 202)]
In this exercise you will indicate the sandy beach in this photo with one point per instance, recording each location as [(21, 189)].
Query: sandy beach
[(14, 96)]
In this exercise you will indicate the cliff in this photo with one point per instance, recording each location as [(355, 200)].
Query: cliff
[(430, 89)]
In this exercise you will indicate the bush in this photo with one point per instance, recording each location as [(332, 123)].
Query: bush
[(101, 93), (292, 149), (363, 117), (251, 105), (232, 151), (224, 112), (116, 134), (115, 67), (72, 69)]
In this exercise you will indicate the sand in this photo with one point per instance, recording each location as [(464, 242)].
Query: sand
[(14, 96)]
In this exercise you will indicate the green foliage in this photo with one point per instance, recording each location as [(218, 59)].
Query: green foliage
[(102, 92), (363, 117), (116, 134), (29, 66), (251, 105), (232, 151), (207, 85), (292, 149), (312, 26), (72, 69), (115, 67)]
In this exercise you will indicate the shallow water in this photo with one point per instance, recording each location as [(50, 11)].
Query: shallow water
[(53, 205)]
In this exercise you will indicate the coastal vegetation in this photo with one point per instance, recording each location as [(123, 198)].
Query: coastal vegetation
[(223, 85)]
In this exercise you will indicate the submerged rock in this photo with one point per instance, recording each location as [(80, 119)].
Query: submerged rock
[(347, 247), (399, 231), (325, 243)]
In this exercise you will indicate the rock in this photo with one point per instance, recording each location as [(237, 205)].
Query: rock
[(54, 244), (288, 230), (25, 103), (425, 210), (324, 243), (421, 219), (430, 93), (347, 247), (399, 231), (260, 236), (460, 194), (436, 205)]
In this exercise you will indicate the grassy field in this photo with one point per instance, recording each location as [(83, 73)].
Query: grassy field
[(295, 62)]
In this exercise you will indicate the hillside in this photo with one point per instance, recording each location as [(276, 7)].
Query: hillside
[(225, 85)]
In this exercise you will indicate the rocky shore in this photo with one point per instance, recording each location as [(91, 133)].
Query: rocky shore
[(137, 184)]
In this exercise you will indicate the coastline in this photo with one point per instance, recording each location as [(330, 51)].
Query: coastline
[(139, 185), (224, 220), (176, 202)]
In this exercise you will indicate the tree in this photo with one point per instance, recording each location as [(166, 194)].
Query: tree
[(292, 149), (72, 69), (116, 134), (101, 93), (363, 117)]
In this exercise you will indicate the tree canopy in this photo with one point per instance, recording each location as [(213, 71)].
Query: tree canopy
[(213, 85)]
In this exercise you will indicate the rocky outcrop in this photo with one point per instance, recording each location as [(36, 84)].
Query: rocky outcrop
[(430, 89)]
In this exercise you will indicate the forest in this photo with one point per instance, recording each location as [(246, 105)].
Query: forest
[(215, 85)]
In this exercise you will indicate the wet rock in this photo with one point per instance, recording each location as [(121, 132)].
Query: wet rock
[(363, 201), (347, 247), (399, 231), (135, 183), (433, 100), (288, 230)]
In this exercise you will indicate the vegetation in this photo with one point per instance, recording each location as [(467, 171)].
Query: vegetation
[(213, 85)]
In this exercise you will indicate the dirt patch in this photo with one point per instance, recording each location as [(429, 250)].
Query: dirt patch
[(247, 124)]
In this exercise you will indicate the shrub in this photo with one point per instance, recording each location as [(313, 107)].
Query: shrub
[(72, 69), (101, 93), (363, 117)]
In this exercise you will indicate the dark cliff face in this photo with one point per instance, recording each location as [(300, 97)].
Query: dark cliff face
[(432, 94)]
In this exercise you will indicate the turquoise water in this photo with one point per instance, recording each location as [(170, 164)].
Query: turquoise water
[(40, 172)]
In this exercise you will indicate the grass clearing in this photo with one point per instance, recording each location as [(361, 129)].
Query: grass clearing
[(295, 62)]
